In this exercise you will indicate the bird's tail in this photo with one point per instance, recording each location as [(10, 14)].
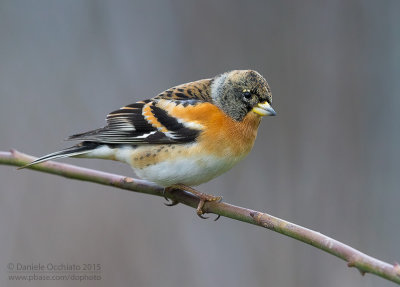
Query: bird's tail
[(79, 149)]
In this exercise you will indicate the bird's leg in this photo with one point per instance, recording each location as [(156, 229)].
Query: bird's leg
[(202, 196)]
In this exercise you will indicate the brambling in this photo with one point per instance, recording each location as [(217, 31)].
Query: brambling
[(185, 136)]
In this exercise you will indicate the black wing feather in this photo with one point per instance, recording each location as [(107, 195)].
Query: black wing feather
[(128, 126)]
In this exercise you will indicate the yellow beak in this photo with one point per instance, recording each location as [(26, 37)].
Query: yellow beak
[(264, 109)]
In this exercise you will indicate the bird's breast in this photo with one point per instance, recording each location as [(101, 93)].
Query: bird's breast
[(220, 134)]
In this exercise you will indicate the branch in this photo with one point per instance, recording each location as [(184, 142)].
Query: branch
[(354, 258)]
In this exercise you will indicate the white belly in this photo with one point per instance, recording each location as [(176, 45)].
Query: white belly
[(191, 172), (175, 169)]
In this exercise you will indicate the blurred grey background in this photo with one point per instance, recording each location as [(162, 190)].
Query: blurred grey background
[(329, 161)]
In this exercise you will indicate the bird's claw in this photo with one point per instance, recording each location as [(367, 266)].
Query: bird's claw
[(169, 202), (202, 216), (164, 194), (203, 199), (199, 209)]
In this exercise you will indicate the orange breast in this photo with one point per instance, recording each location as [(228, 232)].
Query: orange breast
[(221, 136)]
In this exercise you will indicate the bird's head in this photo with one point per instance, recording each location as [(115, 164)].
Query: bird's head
[(239, 92)]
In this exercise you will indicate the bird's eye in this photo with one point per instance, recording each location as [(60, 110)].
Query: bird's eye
[(247, 95)]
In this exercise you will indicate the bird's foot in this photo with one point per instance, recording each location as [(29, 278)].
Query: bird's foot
[(204, 197), (170, 202)]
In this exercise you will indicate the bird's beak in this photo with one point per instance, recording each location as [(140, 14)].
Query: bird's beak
[(264, 109)]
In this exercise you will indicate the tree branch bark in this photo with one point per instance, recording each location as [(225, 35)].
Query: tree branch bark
[(354, 258)]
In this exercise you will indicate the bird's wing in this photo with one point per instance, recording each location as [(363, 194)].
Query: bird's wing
[(153, 121)]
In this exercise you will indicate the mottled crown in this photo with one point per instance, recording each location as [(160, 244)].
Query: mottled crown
[(237, 92)]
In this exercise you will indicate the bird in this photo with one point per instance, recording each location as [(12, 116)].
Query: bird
[(184, 136)]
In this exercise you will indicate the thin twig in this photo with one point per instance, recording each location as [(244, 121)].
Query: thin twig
[(354, 258)]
